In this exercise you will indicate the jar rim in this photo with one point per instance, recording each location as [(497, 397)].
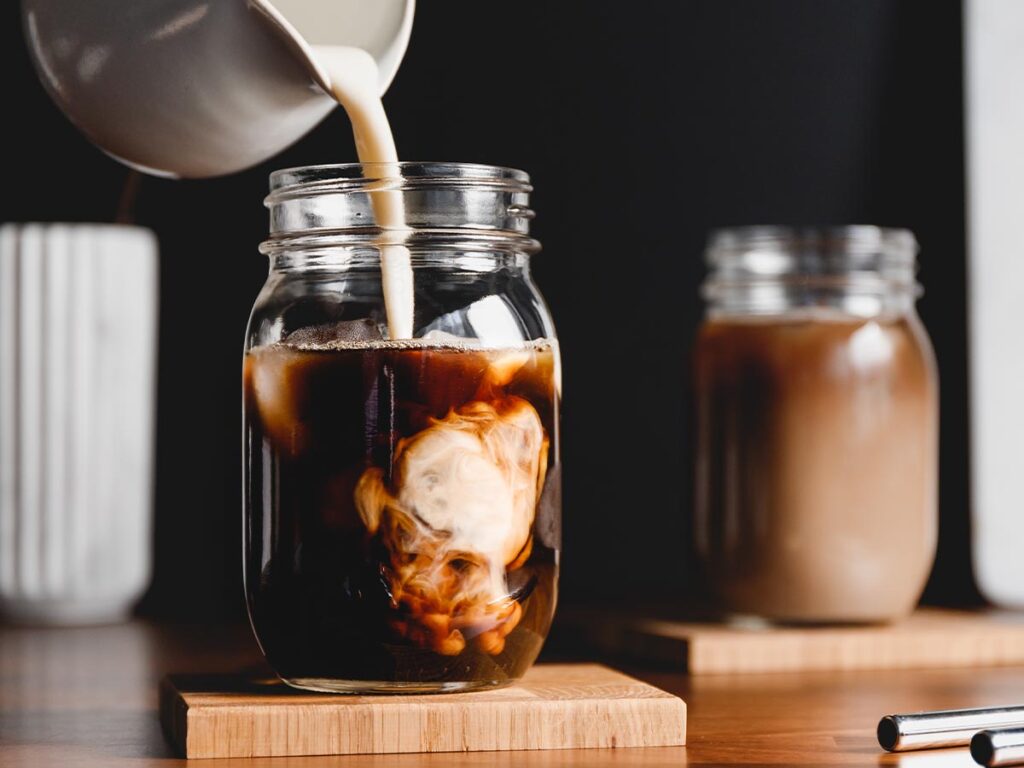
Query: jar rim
[(444, 205), (360, 177), (853, 239), (769, 269)]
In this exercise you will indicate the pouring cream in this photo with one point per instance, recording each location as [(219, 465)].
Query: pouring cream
[(353, 77)]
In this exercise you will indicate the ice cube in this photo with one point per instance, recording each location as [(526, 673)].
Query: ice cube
[(491, 320), (443, 337)]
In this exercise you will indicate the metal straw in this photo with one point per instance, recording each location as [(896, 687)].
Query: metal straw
[(999, 747), (948, 728)]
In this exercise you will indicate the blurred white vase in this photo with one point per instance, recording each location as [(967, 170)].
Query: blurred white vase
[(78, 317), (994, 55)]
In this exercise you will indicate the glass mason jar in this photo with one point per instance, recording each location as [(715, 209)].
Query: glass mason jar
[(402, 496), (816, 399)]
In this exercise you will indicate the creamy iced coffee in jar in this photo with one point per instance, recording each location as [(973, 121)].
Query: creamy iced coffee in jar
[(402, 490), (816, 426)]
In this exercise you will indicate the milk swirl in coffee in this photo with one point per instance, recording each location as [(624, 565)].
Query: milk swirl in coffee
[(412, 493)]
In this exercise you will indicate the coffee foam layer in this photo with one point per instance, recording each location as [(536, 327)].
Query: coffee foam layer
[(420, 345)]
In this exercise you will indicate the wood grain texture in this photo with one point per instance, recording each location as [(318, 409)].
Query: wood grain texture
[(87, 698), (930, 639), (563, 706)]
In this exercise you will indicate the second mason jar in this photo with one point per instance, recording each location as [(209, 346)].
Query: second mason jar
[(402, 502), (817, 425)]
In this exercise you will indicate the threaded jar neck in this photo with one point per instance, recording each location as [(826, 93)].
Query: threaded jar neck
[(859, 270), (446, 206)]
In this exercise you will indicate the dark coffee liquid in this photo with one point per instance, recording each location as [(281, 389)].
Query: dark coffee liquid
[(403, 510)]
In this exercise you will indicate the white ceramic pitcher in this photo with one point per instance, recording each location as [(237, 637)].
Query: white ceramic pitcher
[(197, 88)]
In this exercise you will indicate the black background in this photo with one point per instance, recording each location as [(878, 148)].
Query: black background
[(643, 124)]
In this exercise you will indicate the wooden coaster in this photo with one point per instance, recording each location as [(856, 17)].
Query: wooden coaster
[(557, 706), (929, 639)]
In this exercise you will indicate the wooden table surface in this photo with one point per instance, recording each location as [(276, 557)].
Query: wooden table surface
[(88, 697)]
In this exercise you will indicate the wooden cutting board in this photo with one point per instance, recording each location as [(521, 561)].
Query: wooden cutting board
[(929, 639), (554, 707)]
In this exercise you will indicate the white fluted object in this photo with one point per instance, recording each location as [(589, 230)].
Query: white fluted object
[(78, 317)]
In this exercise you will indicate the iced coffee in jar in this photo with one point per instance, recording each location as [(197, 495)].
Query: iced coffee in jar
[(816, 425), (402, 485)]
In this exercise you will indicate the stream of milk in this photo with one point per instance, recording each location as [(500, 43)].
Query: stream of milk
[(354, 84)]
